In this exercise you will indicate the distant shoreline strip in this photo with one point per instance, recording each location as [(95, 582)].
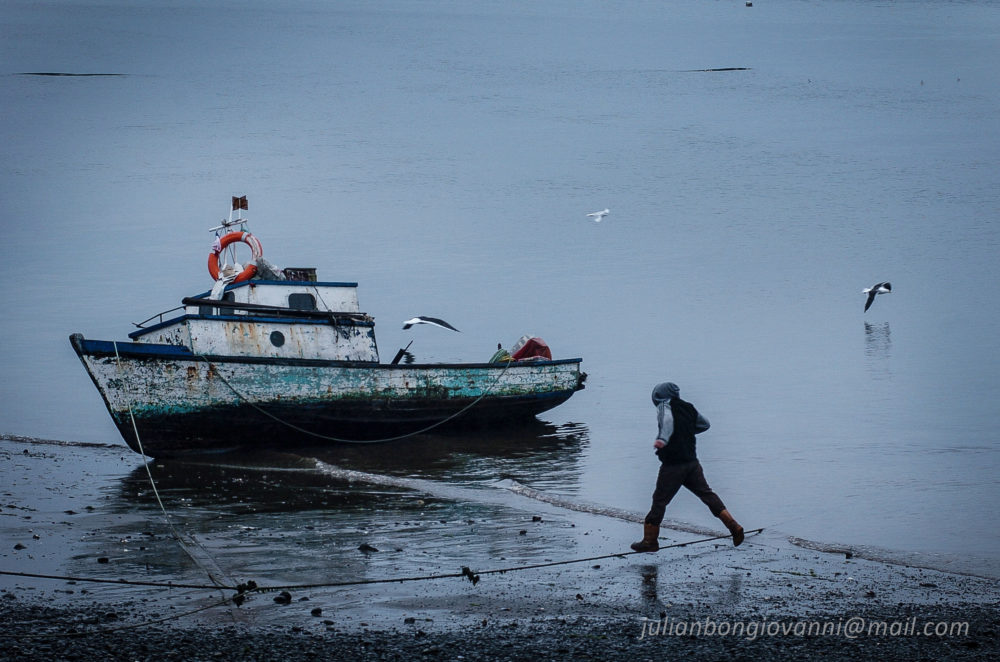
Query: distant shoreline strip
[(687, 71), (20, 439), (59, 73)]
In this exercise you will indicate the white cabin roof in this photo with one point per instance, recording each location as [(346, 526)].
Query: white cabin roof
[(331, 297)]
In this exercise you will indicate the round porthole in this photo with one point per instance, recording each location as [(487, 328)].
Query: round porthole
[(277, 338)]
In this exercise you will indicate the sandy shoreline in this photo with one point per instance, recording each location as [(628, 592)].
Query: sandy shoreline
[(606, 609), (968, 632)]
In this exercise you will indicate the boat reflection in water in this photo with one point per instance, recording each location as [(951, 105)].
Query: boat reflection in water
[(541, 454), (432, 505)]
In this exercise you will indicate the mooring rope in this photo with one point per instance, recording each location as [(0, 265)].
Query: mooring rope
[(125, 582), (252, 587), (156, 492), (473, 576), (355, 441)]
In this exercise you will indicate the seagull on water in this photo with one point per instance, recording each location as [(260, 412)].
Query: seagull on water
[(598, 215), (420, 319), (877, 288)]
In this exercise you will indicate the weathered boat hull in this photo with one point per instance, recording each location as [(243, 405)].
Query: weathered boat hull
[(181, 402)]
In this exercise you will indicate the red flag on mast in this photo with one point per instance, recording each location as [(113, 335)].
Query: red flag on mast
[(240, 203)]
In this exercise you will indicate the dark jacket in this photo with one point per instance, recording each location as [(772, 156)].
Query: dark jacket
[(678, 422)]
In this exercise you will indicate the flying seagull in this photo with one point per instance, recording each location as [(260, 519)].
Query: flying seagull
[(878, 288), (598, 215), (420, 319)]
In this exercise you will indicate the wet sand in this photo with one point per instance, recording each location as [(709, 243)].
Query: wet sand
[(62, 515)]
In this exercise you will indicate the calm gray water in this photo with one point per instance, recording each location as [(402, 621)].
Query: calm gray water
[(445, 155)]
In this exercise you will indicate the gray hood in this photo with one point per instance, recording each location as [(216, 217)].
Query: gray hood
[(664, 392)]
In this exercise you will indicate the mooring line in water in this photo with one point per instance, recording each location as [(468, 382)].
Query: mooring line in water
[(125, 582), (252, 587), (473, 576), (166, 516), (354, 441)]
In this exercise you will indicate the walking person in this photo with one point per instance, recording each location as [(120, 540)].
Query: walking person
[(679, 422)]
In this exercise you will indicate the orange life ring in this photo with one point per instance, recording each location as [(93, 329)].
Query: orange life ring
[(251, 269)]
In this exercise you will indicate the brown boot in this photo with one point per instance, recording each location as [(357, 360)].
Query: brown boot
[(733, 526), (650, 539)]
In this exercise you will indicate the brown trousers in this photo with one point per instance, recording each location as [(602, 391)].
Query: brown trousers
[(671, 478)]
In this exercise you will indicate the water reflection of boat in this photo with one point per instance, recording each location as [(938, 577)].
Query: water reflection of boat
[(298, 479), (283, 518), (270, 356)]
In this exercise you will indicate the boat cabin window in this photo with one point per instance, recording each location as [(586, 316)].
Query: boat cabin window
[(212, 310), (302, 301)]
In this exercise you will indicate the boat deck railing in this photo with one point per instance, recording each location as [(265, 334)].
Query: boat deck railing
[(158, 317), (277, 311)]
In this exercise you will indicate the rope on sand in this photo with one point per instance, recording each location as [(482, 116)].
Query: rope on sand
[(474, 576), (252, 587), (177, 536)]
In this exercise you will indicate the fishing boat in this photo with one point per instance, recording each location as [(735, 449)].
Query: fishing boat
[(274, 357)]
